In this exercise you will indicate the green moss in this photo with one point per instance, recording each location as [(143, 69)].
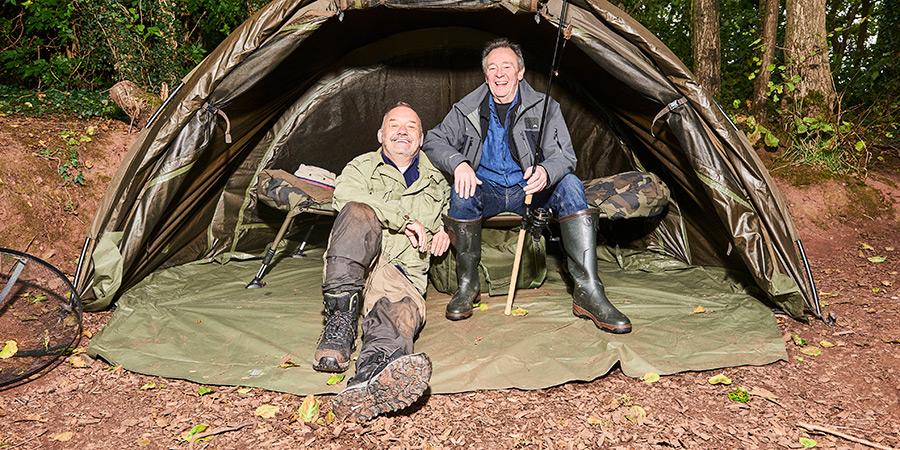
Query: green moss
[(864, 200), (804, 176)]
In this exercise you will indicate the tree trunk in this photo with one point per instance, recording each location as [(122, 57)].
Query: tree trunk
[(769, 27), (705, 42), (807, 56)]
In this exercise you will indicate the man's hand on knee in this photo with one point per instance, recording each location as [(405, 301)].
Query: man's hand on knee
[(464, 180)]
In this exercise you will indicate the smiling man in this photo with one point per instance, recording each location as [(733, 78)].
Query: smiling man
[(488, 142), (389, 225)]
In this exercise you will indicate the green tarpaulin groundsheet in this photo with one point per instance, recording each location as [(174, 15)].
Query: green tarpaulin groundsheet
[(198, 322)]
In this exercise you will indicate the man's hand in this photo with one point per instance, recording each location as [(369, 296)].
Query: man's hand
[(464, 180), (417, 235), (535, 182), (440, 242)]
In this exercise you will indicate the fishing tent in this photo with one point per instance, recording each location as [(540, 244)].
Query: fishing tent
[(306, 82)]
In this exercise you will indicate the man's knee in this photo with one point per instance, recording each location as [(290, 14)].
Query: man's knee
[(465, 208), (358, 212)]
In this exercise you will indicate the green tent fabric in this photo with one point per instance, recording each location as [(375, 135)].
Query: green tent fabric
[(197, 322)]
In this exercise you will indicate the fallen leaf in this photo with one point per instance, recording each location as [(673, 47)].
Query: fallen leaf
[(650, 377), (890, 341), (77, 362), (828, 294), (334, 379), (699, 310), (148, 386), (764, 393), (194, 431), (739, 395), (329, 418), (798, 340), (876, 259), (142, 441), (826, 344), (9, 349), (811, 351), (244, 390), (288, 363), (864, 246), (887, 283), (481, 306), (719, 379), (635, 413), (807, 442), (594, 421), (519, 312), (203, 390), (889, 249), (65, 436), (308, 409), (266, 411)]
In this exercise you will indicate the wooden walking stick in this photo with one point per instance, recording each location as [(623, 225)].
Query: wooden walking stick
[(520, 242)]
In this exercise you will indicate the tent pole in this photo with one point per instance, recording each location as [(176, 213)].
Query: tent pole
[(812, 283)]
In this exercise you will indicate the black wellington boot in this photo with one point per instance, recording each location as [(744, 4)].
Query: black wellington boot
[(338, 339), (590, 302), (466, 238)]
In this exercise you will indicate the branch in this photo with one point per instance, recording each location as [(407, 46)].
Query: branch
[(842, 436), (199, 436)]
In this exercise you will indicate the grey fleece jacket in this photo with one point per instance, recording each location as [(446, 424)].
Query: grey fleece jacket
[(459, 137)]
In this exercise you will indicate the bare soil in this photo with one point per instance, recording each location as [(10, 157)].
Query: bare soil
[(852, 387)]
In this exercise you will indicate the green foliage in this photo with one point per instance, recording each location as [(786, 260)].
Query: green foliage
[(91, 44), (81, 103), (67, 157)]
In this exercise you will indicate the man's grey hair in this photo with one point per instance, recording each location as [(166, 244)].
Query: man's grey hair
[(502, 43), (399, 104)]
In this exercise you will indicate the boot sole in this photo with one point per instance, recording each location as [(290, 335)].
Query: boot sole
[(463, 315), (610, 328), (397, 386)]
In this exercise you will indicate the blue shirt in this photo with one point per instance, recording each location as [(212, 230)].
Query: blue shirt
[(412, 172), (497, 164)]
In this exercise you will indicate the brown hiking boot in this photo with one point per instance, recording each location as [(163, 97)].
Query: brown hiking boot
[(383, 383), (338, 339)]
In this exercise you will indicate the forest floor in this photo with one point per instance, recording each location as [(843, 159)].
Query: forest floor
[(852, 388)]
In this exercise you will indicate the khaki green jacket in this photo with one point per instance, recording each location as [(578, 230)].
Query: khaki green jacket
[(368, 179)]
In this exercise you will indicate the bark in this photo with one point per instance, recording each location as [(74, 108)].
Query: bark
[(807, 56), (706, 45), (769, 27), (138, 104)]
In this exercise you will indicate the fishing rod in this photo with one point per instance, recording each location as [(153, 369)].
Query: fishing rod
[(538, 152)]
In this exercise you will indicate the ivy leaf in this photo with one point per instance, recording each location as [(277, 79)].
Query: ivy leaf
[(334, 379), (798, 340), (719, 379), (802, 128), (771, 140), (203, 390), (860, 145), (739, 395), (9, 349), (308, 409), (807, 442)]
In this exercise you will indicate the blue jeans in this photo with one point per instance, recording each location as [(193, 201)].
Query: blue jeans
[(489, 200)]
